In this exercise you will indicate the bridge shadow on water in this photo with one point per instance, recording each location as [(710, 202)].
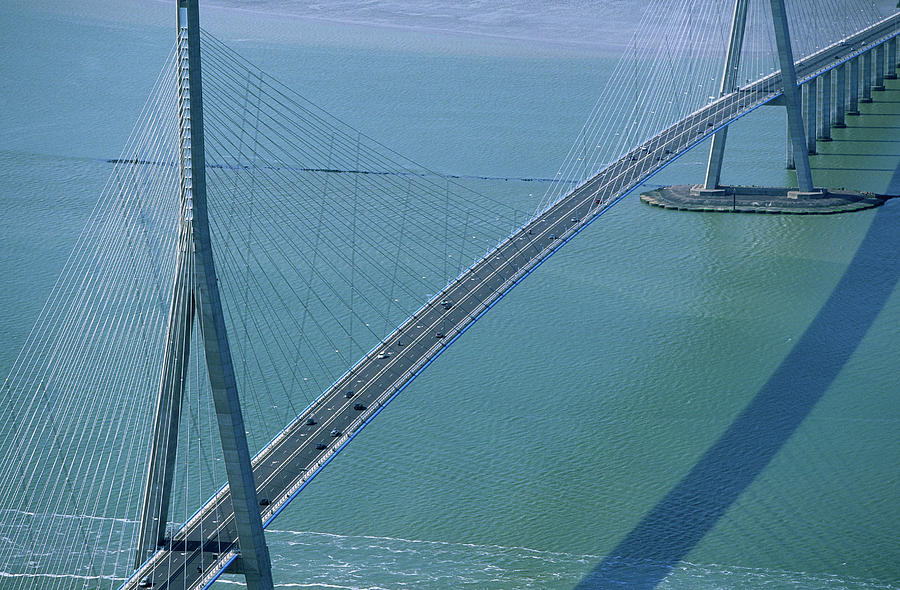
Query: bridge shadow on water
[(692, 508)]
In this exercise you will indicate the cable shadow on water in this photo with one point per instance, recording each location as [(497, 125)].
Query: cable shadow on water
[(692, 508)]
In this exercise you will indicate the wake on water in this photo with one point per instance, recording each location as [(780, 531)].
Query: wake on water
[(373, 562), (366, 562)]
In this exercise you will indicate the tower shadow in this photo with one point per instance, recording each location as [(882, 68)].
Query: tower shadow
[(681, 519), (893, 189)]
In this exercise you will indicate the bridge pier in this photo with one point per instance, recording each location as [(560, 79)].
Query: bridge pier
[(866, 77), (853, 81), (809, 112), (824, 86), (891, 73), (879, 69), (840, 96)]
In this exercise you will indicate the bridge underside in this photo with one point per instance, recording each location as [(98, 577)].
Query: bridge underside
[(205, 546)]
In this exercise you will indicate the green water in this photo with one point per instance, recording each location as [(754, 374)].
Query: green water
[(547, 434)]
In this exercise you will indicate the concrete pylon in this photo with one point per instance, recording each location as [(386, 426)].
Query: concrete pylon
[(791, 96), (808, 101), (840, 96), (824, 98), (729, 83), (891, 73), (853, 88), (197, 293), (865, 95), (878, 85)]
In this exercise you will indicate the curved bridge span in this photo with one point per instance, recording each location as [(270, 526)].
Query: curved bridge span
[(206, 545)]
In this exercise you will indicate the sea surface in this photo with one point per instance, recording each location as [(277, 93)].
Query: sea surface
[(606, 406)]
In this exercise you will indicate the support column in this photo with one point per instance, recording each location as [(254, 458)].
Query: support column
[(809, 113), (254, 554), (866, 89), (791, 95), (879, 69), (824, 86), (840, 96), (853, 80), (729, 84), (891, 73)]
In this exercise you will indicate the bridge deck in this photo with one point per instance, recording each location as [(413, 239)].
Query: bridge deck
[(205, 545)]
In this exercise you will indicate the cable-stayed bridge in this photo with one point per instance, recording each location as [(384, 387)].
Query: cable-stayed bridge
[(276, 243)]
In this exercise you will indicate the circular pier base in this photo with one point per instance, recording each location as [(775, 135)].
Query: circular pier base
[(742, 199)]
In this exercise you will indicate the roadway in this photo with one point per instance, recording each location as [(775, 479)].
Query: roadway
[(206, 545)]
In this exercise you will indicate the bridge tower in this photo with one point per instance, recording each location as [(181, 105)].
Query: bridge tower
[(797, 137), (195, 293), (839, 94)]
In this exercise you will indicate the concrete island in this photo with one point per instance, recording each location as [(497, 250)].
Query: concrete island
[(742, 199)]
